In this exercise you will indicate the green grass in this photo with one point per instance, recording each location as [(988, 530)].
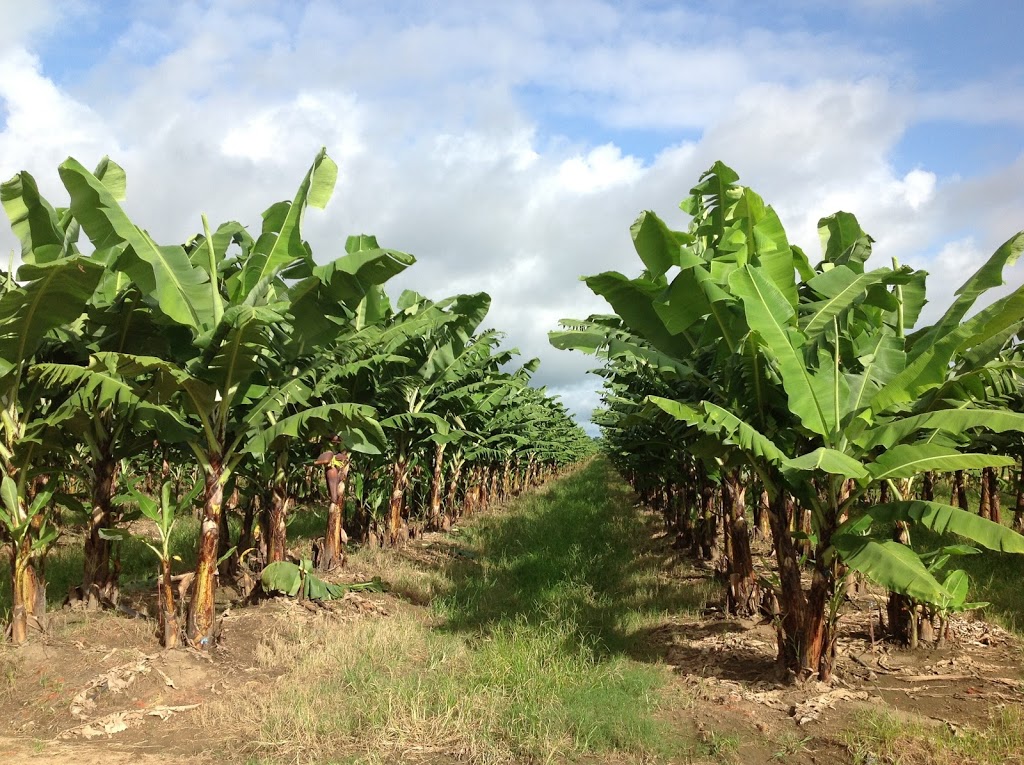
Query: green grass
[(880, 737), (995, 578), (526, 653), (569, 555)]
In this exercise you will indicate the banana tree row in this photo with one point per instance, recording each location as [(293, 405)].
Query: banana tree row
[(746, 364), (241, 351)]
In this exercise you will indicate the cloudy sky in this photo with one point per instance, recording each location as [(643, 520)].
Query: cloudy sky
[(510, 145)]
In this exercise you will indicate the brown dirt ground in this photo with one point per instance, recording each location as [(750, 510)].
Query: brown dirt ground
[(97, 689), (729, 665)]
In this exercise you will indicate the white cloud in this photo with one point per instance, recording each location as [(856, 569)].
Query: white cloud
[(975, 103), (43, 124), (308, 118), (22, 21), (918, 187), (601, 169)]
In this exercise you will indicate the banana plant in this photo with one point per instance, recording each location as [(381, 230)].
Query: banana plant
[(336, 467), (821, 381), (163, 513), (53, 286), (30, 532), (433, 338), (846, 387), (229, 377)]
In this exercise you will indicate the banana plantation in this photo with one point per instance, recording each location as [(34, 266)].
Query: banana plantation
[(237, 378), (751, 396), (796, 424)]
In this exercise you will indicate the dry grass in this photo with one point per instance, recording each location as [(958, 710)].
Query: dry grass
[(406, 578), (8, 670), (99, 628), (882, 738)]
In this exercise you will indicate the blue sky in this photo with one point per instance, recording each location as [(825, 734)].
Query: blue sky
[(509, 146)]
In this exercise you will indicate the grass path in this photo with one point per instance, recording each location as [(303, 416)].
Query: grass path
[(530, 649)]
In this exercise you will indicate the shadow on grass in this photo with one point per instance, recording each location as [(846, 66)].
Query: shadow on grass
[(577, 555)]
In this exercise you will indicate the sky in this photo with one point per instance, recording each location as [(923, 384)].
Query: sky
[(509, 146)]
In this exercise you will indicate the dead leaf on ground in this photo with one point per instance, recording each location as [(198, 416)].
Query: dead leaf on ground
[(811, 709), (114, 680), (116, 722)]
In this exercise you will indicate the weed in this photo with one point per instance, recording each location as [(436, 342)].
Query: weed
[(718, 746), (790, 744)]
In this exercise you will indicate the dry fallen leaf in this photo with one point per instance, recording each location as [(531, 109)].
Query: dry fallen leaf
[(113, 680), (811, 709)]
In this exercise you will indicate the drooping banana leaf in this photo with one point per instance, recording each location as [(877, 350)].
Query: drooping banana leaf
[(165, 271), (891, 565), (942, 519), (906, 460), (51, 295)]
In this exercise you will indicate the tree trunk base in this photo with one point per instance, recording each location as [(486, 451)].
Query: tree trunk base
[(743, 597)]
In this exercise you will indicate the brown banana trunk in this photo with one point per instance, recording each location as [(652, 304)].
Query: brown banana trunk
[(453, 488), (504, 487), (1018, 510), (899, 608), (928, 486), (806, 528), (471, 497), (336, 472), (725, 514), (711, 532), (436, 485), (684, 530), (762, 525), (995, 513), (99, 581), (985, 501), (400, 478), (277, 514), (958, 492), (247, 537), (28, 607), (486, 482), (170, 631), (805, 644), (277, 541), (743, 597), (200, 622), (483, 495)]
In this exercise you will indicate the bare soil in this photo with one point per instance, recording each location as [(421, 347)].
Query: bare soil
[(98, 688), (729, 664)]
